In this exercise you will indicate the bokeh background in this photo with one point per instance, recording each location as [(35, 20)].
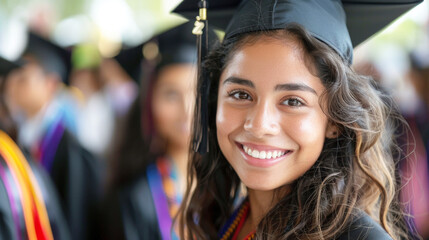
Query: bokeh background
[(96, 30)]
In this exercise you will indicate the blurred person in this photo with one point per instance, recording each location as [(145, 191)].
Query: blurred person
[(121, 88), (402, 76), (29, 204), (35, 95), (95, 116), (6, 121), (416, 165), (147, 174)]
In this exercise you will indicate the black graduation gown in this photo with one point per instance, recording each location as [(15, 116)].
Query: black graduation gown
[(58, 224), (364, 228), (130, 213), (76, 174)]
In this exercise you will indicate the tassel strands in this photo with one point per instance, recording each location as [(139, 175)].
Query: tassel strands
[(200, 144)]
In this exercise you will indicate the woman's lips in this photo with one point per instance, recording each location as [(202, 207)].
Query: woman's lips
[(262, 156)]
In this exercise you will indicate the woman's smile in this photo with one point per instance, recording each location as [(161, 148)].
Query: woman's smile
[(261, 155)]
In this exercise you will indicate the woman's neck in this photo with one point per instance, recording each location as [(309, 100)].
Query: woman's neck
[(261, 202)]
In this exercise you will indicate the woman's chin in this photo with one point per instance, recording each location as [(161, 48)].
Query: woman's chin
[(258, 185)]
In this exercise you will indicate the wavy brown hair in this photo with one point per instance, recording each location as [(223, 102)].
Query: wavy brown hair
[(355, 172)]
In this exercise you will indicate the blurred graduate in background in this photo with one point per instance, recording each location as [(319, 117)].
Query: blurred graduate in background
[(45, 115), (120, 76), (147, 174), (29, 203), (95, 118), (415, 167)]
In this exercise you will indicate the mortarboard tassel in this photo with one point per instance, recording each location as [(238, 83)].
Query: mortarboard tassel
[(200, 143)]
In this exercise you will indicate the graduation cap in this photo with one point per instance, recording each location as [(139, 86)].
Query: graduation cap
[(51, 57), (176, 45), (130, 60), (339, 24), (6, 66)]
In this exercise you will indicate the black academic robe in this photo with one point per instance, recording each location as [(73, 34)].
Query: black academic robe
[(364, 228), (130, 214), (76, 174), (58, 224)]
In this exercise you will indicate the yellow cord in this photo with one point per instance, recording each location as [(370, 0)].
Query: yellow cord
[(30, 190)]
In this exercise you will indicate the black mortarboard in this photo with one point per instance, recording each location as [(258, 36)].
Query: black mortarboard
[(176, 45), (6, 66), (419, 60), (52, 58), (340, 24), (130, 60)]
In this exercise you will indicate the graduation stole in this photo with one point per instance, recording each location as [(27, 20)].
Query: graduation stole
[(34, 209), (47, 147), (234, 224), (161, 178)]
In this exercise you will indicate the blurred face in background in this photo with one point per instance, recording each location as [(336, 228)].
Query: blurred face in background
[(86, 80), (29, 89), (173, 100)]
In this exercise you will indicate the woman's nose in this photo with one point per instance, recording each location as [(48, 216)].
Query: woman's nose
[(262, 120)]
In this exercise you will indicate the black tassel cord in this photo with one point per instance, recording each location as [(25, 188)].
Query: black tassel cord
[(200, 143)]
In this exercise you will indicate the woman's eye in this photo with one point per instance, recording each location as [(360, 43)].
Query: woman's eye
[(293, 102), (240, 95)]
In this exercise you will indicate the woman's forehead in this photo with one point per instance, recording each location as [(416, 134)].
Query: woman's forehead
[(269, 55)]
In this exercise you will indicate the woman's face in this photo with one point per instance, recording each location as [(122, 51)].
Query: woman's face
[(172, 103), (270, 126)]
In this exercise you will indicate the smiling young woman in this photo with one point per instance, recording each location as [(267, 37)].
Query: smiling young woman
[(288, 118), (270, 126)]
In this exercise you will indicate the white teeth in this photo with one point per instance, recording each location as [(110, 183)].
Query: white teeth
[(262, 154), (255, 154)]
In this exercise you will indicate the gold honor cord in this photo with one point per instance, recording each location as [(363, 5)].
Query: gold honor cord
[(31, 195)]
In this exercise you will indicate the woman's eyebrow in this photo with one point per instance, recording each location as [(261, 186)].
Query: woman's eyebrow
[(240, 81), (280, 87), (294, 87)]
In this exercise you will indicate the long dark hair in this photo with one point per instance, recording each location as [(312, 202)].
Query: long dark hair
[(355, 172)]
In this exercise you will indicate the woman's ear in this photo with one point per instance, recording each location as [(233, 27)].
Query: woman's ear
[(332, 131)]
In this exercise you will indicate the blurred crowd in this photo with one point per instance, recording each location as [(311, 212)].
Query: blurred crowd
[(80, 115)]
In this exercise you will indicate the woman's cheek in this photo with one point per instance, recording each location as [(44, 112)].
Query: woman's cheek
[(221, 122), (227, 121), (309, 131)]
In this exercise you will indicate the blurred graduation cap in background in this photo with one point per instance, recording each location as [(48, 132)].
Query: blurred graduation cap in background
[(51, 57), (419, 59), (175, 45), (7, 66), (339, 24), (130, 59)]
